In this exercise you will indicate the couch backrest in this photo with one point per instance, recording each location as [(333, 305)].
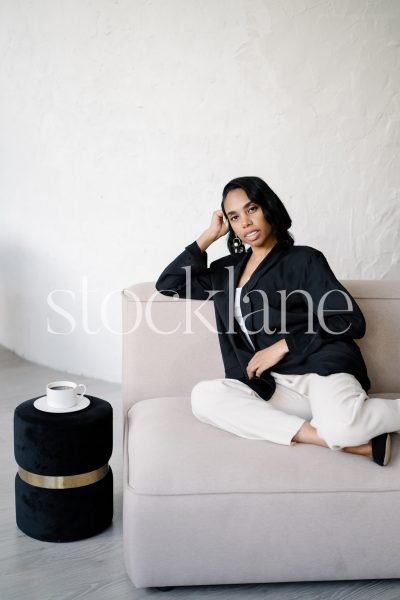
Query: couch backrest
[(169, 364)]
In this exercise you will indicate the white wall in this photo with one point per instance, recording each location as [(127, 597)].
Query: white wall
[(122, 120)]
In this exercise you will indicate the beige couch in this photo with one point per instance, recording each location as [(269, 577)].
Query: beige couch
[(204, 506)]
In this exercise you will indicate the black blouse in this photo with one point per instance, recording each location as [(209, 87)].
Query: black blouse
[(296, 277)]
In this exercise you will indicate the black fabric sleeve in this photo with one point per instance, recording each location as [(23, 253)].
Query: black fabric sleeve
[(173, 280), (341, 314)]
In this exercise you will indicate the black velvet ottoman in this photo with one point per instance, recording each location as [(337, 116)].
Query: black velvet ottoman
[(64, 485)]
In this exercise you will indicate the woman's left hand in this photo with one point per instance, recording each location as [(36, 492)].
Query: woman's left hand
[(267, 358)]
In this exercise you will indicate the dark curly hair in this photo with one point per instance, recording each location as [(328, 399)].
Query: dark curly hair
[(273, 209)]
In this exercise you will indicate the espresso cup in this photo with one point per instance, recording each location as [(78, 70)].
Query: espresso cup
[(64, 394)]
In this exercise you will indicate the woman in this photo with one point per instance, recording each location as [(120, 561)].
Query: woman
[(286, 328)]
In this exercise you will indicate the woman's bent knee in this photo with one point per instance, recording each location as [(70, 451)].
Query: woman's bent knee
[(203, 395), (205, 388)]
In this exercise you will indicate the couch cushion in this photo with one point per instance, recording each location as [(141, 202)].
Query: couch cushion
[(172, 452)]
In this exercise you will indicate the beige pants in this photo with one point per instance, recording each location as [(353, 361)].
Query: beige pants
[(336, 405)]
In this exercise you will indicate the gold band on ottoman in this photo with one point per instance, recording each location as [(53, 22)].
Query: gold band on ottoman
[(63, 482)]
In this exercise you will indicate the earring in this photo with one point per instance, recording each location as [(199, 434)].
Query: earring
[(238, 247)]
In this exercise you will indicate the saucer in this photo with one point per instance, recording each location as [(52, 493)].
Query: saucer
[(41, 404)]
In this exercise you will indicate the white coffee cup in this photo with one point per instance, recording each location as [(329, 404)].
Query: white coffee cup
[(64, 394)]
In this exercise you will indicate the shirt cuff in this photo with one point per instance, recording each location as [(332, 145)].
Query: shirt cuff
[(195, 249), (290, 342)]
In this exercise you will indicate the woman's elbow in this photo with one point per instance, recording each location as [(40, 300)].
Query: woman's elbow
[(162, 287)]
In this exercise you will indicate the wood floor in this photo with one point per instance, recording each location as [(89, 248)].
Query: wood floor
[(93, 569)]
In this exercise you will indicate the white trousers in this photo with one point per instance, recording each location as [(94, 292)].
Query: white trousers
[(336, 405)]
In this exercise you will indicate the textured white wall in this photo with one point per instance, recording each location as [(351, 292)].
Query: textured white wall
[(122, 120)]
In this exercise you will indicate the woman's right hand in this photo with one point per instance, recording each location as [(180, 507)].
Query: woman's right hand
[(218, 228)]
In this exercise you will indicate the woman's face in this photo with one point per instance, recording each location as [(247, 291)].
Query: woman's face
[(246, 217)]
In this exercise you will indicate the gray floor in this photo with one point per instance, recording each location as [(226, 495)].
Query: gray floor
[(94, 568)]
